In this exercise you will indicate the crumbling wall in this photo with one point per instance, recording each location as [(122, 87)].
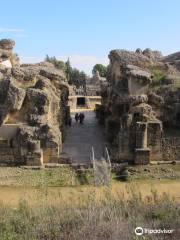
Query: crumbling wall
[(133, 110), (34, 97)]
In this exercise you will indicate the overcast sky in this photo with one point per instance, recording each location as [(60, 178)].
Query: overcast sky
[(86, 30)]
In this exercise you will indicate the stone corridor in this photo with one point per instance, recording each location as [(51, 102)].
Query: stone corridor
[(81, 138)]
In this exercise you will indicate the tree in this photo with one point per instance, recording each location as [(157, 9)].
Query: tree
[(57, 63), (73, 75), (78, 78), (68, 71), (101, 69)]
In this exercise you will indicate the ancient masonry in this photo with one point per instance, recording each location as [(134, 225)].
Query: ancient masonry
[(140, 100), (89, 96), (138, 104), (33, 110)]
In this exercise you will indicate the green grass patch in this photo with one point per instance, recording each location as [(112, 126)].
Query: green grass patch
[(158, 77)]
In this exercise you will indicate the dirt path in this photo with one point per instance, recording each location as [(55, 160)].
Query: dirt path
[(80, 139)]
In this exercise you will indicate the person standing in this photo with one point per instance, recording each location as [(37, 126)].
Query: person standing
[(76, 117), (81, 118), (70, 121)]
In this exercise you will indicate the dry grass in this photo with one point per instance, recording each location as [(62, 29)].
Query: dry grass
[(110, 218)]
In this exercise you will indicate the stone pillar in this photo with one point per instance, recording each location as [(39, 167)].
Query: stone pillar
[(141, 135), (142, 153), (34, 156), (124, 149), (142, 156), (154, 129)]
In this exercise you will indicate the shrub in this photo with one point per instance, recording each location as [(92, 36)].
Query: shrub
[(112, 217), (158, 77)]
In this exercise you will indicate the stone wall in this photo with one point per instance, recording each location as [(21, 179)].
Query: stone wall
[(9, 154), (33, 110), (90, 101), (94, 84), (170, 149), (132, 112)]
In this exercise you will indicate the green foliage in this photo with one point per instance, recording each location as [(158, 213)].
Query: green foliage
[(57, 63), (101, 69), (86, 177), (158, 77), (76, 77), (48, 177), (73, 75)]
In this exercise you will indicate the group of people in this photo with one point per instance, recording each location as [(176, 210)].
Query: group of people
[(79, 117)]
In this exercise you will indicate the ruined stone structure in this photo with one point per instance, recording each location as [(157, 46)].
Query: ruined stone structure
[(33, 110), (87, 97), (73, 90), (81, 101), (134, 110), (7, 57), (93, 85)]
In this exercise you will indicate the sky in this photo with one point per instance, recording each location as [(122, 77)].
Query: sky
[(87, 30)]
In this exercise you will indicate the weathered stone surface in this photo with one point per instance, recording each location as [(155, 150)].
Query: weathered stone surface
[(153, 98), (7, 44), (130, 109), (15, 96), (7, 57), (5, 53), (34, 97), (172, 57), (95, 84), (131, 58), (139, 73), (154, 55)]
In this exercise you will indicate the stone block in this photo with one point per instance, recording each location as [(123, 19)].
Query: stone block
[(34, 159), (154, 136), (142, 156)]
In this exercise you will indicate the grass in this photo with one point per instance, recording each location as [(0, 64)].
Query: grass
[(150, 172), (63, 176), (158, 77), (109, 218), (67, 177), (75, 212)]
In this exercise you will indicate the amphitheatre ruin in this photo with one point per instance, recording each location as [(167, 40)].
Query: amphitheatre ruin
[(130, 113)]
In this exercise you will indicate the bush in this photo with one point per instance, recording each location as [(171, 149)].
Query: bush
[(158, 77), (112, 217)]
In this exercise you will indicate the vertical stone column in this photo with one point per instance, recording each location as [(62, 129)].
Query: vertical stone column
[(142, 153), (124, 149), (141, 135), (34, 156), (154, 129)]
